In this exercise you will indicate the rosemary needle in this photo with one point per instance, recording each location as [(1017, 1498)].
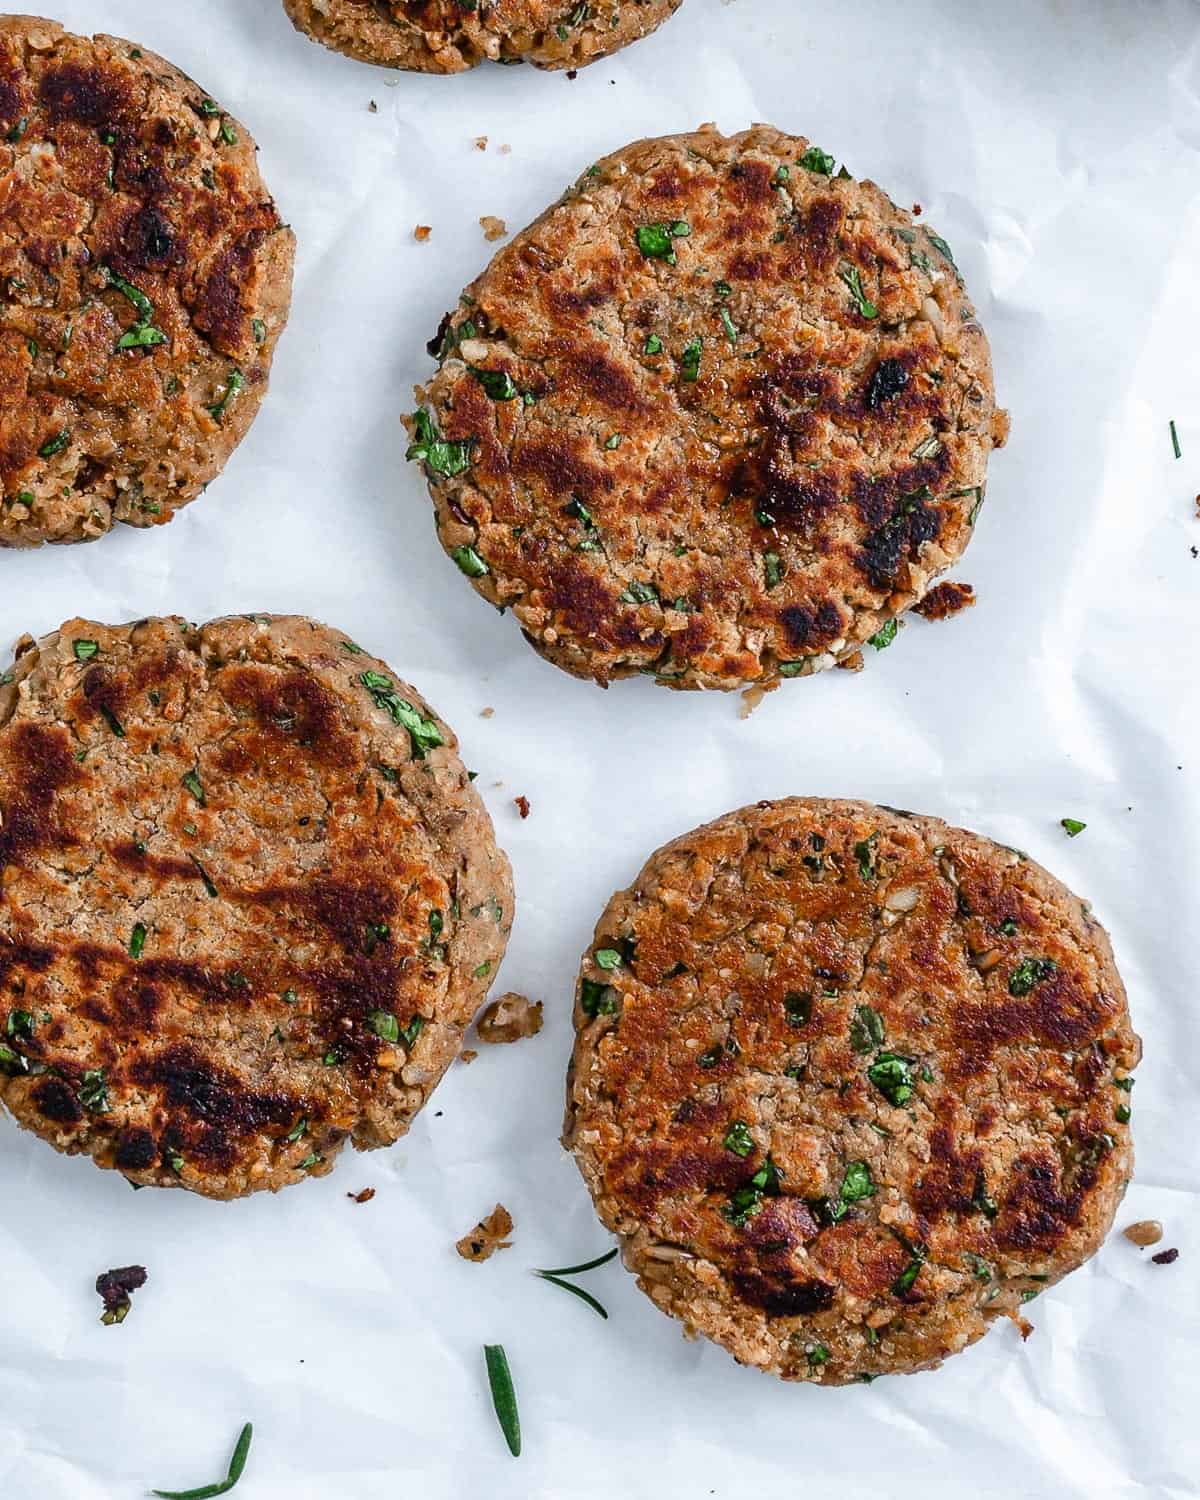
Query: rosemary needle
[(504, 1397), (236, 1465), (578, 1291), (588, 1265)]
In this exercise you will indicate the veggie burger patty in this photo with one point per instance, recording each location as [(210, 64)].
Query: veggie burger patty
[(449, 36), (850, 1084), (719, 415), (146, 278), (249, 899)]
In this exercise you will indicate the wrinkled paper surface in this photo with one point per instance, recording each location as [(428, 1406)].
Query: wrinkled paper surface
[(1056, 145)]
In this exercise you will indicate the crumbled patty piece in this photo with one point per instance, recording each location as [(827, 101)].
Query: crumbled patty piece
[(146, 279), (449, 36), (511, 1018), (488, 1236), (115, 1288), (945, 600), (848, 1083), (718, 416), (249, 899)]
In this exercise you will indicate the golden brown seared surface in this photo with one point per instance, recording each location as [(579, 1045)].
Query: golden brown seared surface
[(449, 36), (850, 1084), (248, 901), (144, 280), (718, 416)]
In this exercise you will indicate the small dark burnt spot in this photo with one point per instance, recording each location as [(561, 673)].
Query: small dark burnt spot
[(888, 379), (781, 1297), (912, 523), (74, 93), (136, 1151), (55, 1100), (751, 183), (149, 240), (810, 627), (40, 764), (292, 708), (213, 1108)]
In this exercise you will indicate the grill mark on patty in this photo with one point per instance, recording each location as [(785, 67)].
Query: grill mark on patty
[(41, 765)]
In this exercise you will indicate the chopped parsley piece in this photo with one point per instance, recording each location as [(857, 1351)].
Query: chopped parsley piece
[(1009, 927), (1073, 826), (259, 330), (773, 569), (424, 733), (655, 241), (853, 279), (864, 852), (297, 1130), (410, 1033), (791, 668), (816, 160), (20, 1025), (438, 455), (866, 1029), (1118, 1083), (113, 722), (227, 133), (884, 636), (142, 336), (747, 1200), (857, 1182), (235, 384), (85, 650), (904, 1282), (981, 1201), (940, 244), (727, 323), (12, 1062), (93, 1091), (738, 1139), (54, 445), (483, 969), (1029, 973), (639, 593), (817, 1356), (310, 1161), (689, 362), (142, 304), (137, 940), (653, 345), (607, 958), (497, 383), (892, 1076), (384, 1024), (194, 785), (1123, 1113), (597, 999), (470, 562)]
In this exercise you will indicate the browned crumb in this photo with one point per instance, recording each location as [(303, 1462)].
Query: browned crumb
[(488, 1236), (916, 208), (481, 142), (468, 1055), (1144, 1232), (364, 1197), (486, 713), (373, 108), (505, 150), (510, 1018), (852, 663), (422, 232), (115, 1288), (1166, 1257), (493, 228), (945, 600), (522, 806)]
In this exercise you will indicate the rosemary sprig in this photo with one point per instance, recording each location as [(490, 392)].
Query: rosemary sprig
[(236, 1465), (578, 1291), (588, 1265)]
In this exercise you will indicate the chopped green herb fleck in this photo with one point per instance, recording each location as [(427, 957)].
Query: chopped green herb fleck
[(864, 852), (1073, 826), (738, 1139), (853, 279), (54, 445), (384, 1024), (653, 345), (424, 733), (1029, 973), (137, 940), (438, 455), (816, 160), (1124, 1113), (892, 1076), (655, 240), (235, 384), (93, 1091), (597, 999), (470, 562), (113, 722), (817, 1356), (85, 650), (607, 958), (689, 362), (797, 1007), (194, 785), (885, 635), (497, 383), (747, 1200), (297, 1130), (259, 329), (857, 1182), (639, 593), (866, 1029), (904, 1282), (228, 134), (773, 568)]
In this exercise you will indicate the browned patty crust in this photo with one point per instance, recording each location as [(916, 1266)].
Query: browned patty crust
[(449, 36), (145, 279), (249, 899), (850, 1084), (719, 415)]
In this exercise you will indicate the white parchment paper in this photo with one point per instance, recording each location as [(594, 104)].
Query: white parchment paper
[(1056, 145)]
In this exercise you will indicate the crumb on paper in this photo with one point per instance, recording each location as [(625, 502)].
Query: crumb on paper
[(481, 142), (522, 806), (1024, 1326), (488, 1236), (1166, 1257), (509, 1019), (945, 600), (1144, 1232), (468, 1055), (372, 108), (364, 1196), (422, 232), (572, 74), (486, 713), (505, 150), (493, 228), (115, 1288), (753, 696), (916, 208), (852, 663)]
